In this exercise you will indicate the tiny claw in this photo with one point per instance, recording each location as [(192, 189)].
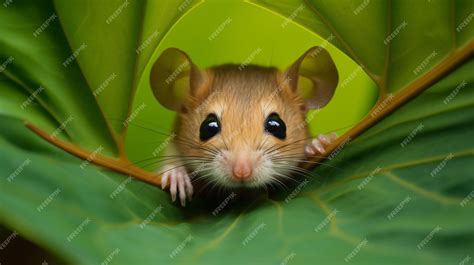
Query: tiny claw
[(189, 187), (318, 146), (324, 139), (164, 181), (173, 187), (181, 190), (309, 150), (179, 183), (333, 136)]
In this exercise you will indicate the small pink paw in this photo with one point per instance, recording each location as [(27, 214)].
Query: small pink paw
[(180, 182), (318, 145)]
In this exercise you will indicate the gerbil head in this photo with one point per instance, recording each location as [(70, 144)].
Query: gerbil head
[(243, 126)]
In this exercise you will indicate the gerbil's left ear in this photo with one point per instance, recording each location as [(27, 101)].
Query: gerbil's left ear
[(174, 77), (313, 77)]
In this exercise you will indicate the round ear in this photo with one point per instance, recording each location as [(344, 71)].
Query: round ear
[(313, 77), (174, 77)]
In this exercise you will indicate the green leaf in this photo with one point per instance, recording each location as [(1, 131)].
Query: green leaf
[(65, 49), (129, 223), (38, 63), (389, 38), (133, 29), (402, 193)]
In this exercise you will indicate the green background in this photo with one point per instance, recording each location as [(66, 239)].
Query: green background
[(251, 28), (444, 199)]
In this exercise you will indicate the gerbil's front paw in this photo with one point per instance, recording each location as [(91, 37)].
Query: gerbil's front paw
[(318, 146), (180, 182)]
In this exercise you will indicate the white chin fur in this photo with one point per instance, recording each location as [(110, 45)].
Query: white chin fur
[(264, 173)]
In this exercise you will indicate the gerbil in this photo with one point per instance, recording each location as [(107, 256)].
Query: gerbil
[(240, 126)]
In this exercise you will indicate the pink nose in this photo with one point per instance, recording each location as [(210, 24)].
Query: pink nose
[(242, 169)]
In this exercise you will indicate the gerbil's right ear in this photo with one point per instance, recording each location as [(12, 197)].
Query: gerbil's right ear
[(313, 77), (174, 77)]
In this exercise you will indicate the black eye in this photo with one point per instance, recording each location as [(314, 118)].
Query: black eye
[(209, 127), (275, 126)]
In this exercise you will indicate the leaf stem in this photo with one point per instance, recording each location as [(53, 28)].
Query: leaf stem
[(124, 166), (121, 165), (455, 59)]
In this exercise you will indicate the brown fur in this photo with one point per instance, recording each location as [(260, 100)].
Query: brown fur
[(242, 99)]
